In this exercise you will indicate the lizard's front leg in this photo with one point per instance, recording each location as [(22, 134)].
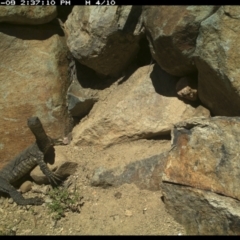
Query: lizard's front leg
[(53, 178), (6, 187)]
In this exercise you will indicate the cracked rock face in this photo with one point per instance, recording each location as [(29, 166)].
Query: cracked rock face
[(203, 163), (31, 15), (172, 32), (106, 44), (217, 61)]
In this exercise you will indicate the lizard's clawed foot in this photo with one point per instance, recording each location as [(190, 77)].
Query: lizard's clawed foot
[(54, 179)]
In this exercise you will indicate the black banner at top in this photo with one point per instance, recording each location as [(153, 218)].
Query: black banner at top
[(72, 2)]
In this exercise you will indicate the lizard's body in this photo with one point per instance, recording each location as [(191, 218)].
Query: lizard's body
[(25, 162)]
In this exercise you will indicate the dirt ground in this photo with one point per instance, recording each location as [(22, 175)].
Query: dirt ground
[(125, 210)]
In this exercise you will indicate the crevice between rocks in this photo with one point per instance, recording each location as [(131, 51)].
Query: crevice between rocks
[(207, 190)]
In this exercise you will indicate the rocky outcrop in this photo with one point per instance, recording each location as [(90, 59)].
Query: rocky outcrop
[(104, 39), (34, 82), (144, 106), (218, 61), (31, 15), (204, 157), (172, 32)]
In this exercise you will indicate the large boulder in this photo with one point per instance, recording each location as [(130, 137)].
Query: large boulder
[(104, 38), (202, 212), (172, 32), (34, 82), (204, 157), (27, 14), (144, 106), (218, 61)]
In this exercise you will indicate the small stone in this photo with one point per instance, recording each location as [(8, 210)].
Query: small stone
[(118, 195), (14, 205), (26, 187), (10, 200), (115, 217), (27, 207), (14, 229), (36, 189), (186, 88), (27, 231), (128, 213), (144, 210), (46, 189), (48, 200)]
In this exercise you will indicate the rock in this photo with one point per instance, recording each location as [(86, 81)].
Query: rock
[(66, 140), (79, 107), (128, 213), (118, 195), (144, 210), (34, 82), (26, 187), (144, 106), (62, 167), (27, 14), (83, 91), (201, 176), (145, 173), (63, 12), (202, 212), (187, 88), (66, 169), (218, 61), (106, 44), (202, 111), (80, 101), (172, 32), (41, 189)]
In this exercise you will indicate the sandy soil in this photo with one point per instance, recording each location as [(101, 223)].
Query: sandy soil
[(112, 211)]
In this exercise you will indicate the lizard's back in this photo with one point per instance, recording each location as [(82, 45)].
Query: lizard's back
[(20, 165)]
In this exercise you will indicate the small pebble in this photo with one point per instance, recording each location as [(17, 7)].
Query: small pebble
[(26, 187), (46, 189), (14, 229), (128, 213), (118, 195), (144, 210), (48, 200)]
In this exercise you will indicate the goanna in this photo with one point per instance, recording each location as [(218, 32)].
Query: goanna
[(26, 161)]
